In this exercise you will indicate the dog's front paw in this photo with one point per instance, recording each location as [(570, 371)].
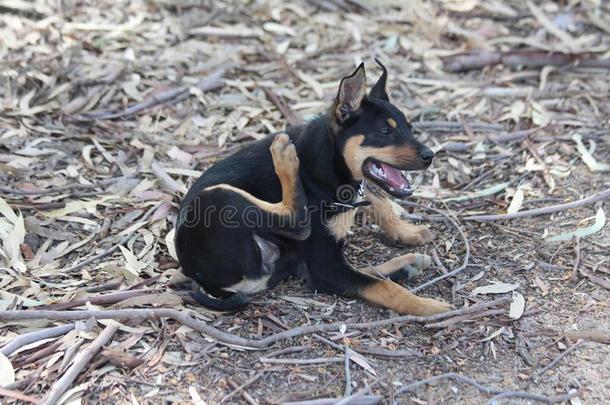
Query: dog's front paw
[(284, 154), (430, 306), (412, 235)]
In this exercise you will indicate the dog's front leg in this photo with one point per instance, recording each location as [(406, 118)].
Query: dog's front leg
[(382, 213), (330, 272), (388, 294)]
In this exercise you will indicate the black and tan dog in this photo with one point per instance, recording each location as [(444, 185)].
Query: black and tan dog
[(284, 205)]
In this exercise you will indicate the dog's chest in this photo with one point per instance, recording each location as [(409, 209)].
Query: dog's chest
[(340, 224)]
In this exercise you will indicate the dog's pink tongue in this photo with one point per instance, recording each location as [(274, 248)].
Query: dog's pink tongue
[(394, 176)]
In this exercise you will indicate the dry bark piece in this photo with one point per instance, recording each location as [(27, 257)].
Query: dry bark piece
[(121, 359), (231, 339), (79, 364), (479, 59)]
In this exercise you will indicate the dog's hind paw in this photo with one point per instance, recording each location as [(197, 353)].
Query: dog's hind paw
[(284, 154)]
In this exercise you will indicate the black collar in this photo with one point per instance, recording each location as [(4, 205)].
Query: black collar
[(344, 198)]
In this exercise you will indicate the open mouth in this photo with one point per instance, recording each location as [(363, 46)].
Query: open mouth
[(389, 178)]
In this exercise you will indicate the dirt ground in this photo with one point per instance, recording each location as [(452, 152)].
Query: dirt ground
[(109, 111)]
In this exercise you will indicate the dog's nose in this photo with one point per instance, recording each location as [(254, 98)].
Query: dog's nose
[(426, 155)]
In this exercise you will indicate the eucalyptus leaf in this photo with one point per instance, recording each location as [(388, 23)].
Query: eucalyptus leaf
[(7, 373), (600, 221), (517, 306), (496, 188), (587, 156), (495, 288), (516, 202)]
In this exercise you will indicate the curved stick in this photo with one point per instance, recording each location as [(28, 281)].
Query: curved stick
[(457, 226), (499, 393), (32, 337), (81, 360), (229, 338), (604, 195)]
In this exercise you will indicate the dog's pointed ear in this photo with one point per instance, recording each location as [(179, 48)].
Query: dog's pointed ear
[(379, 89), (352, 91)]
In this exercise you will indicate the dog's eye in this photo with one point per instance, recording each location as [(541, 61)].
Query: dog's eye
[(385, 130)]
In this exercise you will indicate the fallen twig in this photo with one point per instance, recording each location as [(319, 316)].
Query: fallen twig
[(110, 285), (166, 181), (485, 389), (32, 337), (534, 397), (37, 355), (522, 350), (247, 397), (61, 189), (5, 392), (121, 359), (363, 400), (388, 353), (291, 116), (80, 362), (211, 82), (577, 252), (113, 248), (453, 146), (37, 206), (348, 379), (228, 338), (437, 261), (590, 335), (558, 359), (286, 350), (105, 299), (350, 399), (602, 282), (479, 59), (457, 226), (458, 319), (358, 397), (544, 210), (318, 360), (552, 28), (451, 126), (352, 353), (243, 386)]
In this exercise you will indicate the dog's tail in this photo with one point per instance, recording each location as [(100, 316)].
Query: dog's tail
[(231, 303)]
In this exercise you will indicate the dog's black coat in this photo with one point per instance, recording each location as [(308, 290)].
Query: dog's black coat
[(218, 256)]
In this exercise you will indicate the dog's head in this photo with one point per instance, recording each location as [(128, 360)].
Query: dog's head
[(373, 136)]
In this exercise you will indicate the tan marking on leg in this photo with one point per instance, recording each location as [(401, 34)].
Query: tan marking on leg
[(355, 154), (416, 260), (382, 213), (388, 294), (275, 208), (340, 224), (286, 165), (392, 122)]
